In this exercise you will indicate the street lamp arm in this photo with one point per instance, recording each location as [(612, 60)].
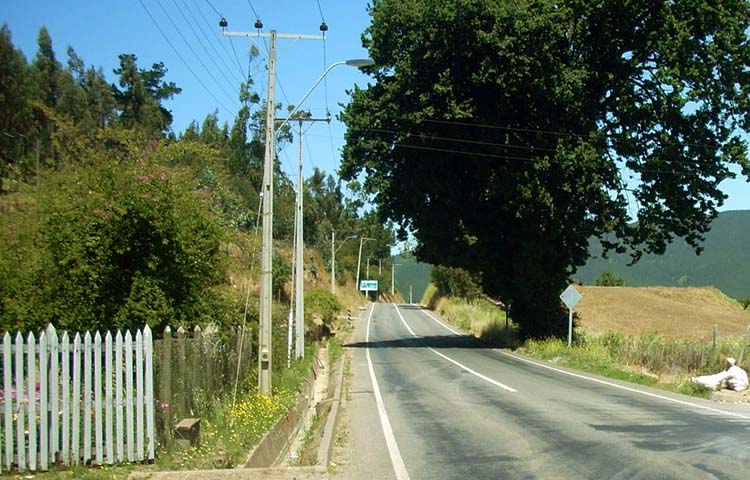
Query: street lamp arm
[(344, 241), (352, 63)]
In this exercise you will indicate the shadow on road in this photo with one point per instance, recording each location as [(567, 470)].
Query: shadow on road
[(434, 341)]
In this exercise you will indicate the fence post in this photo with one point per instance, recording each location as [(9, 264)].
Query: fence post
[(75, 452), (7, 386), (165, 385), (31, 399), (108, 361), (65, 350), (98, 420), (181, 372), (130, 427), (20, 414), (119, 420), (54, 392), (148, 346), (139, 423), (87, 387), (43, 410), (196, 355)]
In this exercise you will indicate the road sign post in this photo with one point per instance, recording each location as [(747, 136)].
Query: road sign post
[(570, 298)]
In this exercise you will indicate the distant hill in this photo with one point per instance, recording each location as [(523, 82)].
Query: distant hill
[(724, 262), (411, 273)]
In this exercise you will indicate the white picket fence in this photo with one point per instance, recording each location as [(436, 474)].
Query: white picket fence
[(85, 401)]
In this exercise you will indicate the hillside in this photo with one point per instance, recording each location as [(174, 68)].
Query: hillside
[(674, 312), (722, 264), (410, 273)]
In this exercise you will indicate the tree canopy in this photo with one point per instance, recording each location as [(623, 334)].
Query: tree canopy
[(505, 134)]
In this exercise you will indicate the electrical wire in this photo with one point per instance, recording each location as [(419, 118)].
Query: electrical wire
[(179, 32), (179, 55), (214, 8), (525, 159), (213, 38), (253, 9), (202, 44)]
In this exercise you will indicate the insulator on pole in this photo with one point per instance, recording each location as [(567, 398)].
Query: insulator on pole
[(223, 23), (258, 23), (323, 27)]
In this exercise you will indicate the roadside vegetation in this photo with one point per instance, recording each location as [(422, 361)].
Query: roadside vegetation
[(109, 219), (648, 359)]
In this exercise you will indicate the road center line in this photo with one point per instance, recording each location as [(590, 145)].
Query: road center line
[(603, 382), (398, 463), (458, 364)]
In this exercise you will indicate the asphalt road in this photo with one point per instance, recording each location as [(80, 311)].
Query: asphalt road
[(428, 403)]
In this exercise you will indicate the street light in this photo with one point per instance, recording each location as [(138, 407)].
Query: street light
[(357, 62), (362, 240), (333, 257)]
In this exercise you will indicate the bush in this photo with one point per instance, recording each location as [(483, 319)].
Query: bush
[(113, 246), (608, 279), (321, 308)]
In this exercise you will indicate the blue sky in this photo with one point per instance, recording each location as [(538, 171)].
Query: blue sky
[(100, 30)]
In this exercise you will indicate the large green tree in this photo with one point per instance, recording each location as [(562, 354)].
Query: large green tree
[(140, 96), (504, 134)]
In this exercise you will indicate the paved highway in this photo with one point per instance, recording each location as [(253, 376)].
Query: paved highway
[(428, 403)]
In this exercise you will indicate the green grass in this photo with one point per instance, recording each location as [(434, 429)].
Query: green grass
[(308, 460)]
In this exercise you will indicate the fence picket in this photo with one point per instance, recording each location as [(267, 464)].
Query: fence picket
[(67, 413), (87, 366), (98, 424), (108, 437), (75, 452), (43, 410), (120, 429), (139, 396), (65, 351), (54, 392), (8, 398), (148, 345), (129, 395), (20, 413), (31, 399)]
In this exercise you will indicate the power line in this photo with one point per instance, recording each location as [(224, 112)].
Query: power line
[(526, 159), (253, 9), (505, 145), (321, 12), (179, 55), (212, 39), (546, 132), (200, 41), (213, 8), (179, 32)]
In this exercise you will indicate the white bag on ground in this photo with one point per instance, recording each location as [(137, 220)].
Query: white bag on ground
[(733, 378)]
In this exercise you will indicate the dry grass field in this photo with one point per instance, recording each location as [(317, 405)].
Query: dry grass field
[(671, 311)]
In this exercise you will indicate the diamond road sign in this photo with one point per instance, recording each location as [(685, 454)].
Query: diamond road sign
[(570, 296)]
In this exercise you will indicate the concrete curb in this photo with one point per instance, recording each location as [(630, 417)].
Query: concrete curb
[(276, 441), (335, 387)]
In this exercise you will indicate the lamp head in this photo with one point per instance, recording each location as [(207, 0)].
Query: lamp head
[(360, 62)]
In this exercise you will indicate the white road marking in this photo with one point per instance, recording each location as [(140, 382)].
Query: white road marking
[(629, 389), (458, 364), (603, 382), (398, 463)]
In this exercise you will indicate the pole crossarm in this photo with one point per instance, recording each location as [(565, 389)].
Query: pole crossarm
[(286, 36)]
